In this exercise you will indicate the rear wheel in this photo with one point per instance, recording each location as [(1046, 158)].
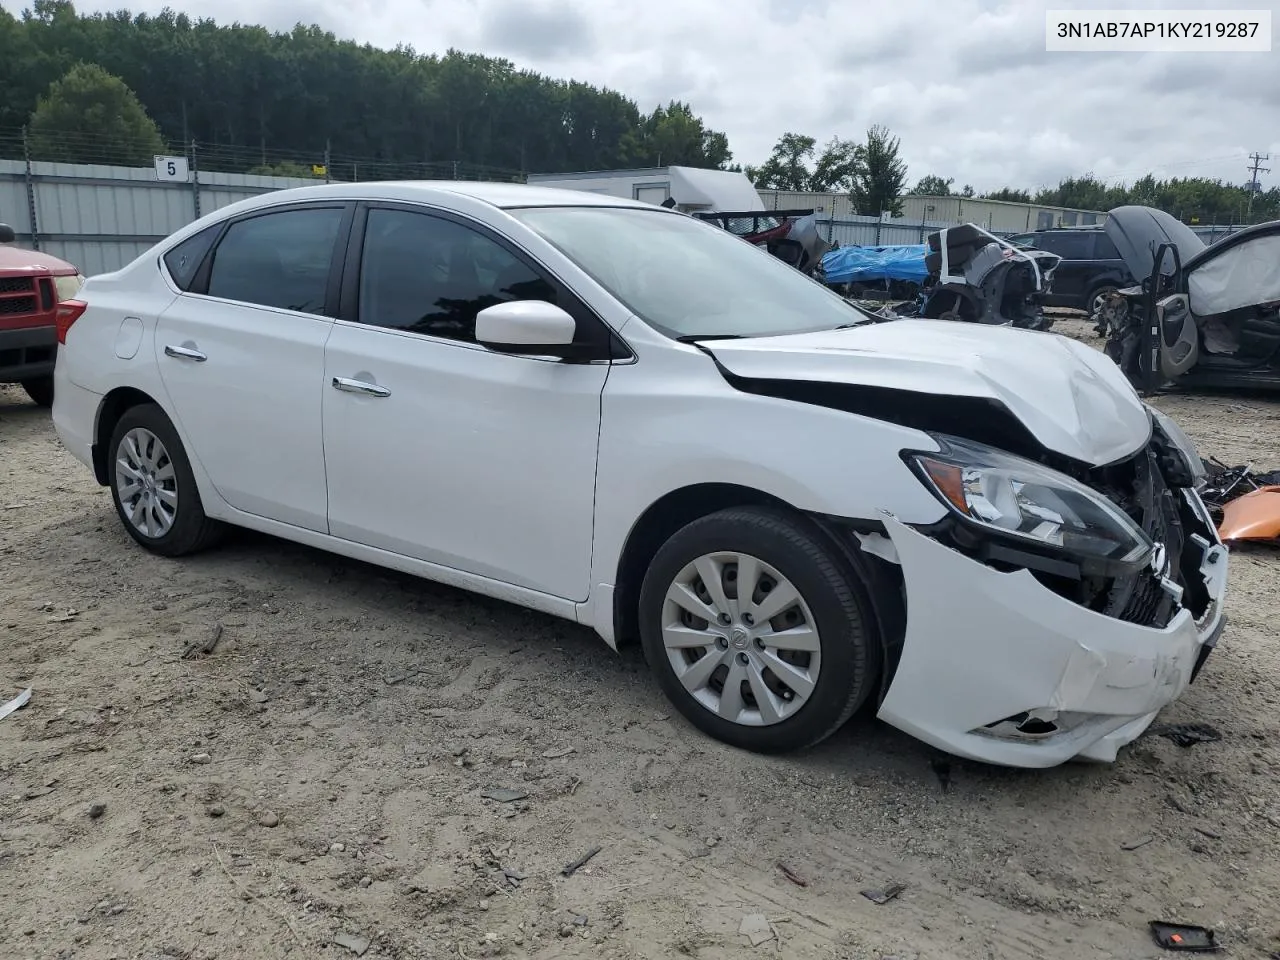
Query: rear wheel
[(755, 630), (152, 485), (40, 390)]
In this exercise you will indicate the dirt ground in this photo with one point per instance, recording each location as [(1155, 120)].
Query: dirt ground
[(315, 784)]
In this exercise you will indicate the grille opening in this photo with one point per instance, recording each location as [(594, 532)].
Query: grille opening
[(17, 306), (15, 284)]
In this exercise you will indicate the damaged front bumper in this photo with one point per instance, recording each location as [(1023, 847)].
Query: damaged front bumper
[(997, 667)]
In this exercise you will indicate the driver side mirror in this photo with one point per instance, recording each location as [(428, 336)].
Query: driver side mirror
[(532, 327), (6, 234)]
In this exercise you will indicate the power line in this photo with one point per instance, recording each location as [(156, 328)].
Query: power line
[(1257, 159)]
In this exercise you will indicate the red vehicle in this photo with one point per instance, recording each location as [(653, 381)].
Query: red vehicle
[(31, 285)]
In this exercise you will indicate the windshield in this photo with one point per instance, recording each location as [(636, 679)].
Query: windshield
[(686, 278)]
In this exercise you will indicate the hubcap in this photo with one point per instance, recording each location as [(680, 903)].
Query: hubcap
[(146, 484), (741, 639)]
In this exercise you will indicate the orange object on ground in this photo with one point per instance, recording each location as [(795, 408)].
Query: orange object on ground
[(1255, 516)]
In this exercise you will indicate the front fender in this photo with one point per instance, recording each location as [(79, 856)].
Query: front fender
[(690, 427)]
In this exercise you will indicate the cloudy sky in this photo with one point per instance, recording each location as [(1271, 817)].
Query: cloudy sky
[(966, 84)]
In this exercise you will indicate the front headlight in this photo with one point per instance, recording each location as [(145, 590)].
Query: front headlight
[(67, 287), (1181, 443), (1021, 498)]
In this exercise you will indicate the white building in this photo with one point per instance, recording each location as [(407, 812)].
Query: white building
[(999, 216), (687, 188)]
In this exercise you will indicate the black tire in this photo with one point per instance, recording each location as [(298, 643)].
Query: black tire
[(796, 549), (40, 390), (191, 530)]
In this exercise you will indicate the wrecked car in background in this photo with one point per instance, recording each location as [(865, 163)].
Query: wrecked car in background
[(793, 236), (983, 279), (1202, 316), (962, 274)]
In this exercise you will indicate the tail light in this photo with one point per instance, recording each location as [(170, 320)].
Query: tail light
[(69, 311)]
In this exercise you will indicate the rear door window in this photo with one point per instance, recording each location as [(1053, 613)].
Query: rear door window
[(278, 259), (1103, 248), (1068, 244)]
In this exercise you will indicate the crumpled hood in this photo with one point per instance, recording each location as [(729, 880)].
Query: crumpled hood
[(1072, 399)]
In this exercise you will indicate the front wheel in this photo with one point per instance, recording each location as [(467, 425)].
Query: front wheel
[(1097, 301), (756, 631), (40, 390), (153, 487)]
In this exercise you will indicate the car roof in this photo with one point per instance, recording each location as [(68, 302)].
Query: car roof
[(447, 192)]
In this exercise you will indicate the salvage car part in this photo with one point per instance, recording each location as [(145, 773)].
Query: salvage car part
[(1182, 936), (17, 703), (1254, 516), (1222, 484), (558, 399), (983, 279), (790, 235)]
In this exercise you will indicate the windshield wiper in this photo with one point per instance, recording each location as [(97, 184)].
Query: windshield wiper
[(695, 337)]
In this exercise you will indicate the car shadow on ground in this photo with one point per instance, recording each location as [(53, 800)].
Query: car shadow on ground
[(567, 650), (21, 409)]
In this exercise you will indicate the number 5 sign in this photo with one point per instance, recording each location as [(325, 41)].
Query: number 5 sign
[(172, 169)]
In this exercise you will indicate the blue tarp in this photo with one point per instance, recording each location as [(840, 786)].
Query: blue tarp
[(863, 264)]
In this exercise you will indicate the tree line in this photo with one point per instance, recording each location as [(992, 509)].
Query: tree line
[(114, 87), (253, 93), (874, 176)]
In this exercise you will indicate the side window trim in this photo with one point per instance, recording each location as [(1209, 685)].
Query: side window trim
[(349, 296), (200, 285)]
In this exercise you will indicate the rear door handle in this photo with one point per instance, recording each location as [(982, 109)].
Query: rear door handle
[(185, 353), (359, 386)]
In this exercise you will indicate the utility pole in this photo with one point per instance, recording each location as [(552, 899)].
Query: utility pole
[(1257, 159)]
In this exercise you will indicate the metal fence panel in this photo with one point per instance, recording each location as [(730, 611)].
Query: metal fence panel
[(101, 255), (102, 217)]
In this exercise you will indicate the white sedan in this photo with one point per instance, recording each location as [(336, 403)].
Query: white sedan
[(620, 415)]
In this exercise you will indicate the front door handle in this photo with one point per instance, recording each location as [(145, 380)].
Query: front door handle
[(185, 353), (359, 386)]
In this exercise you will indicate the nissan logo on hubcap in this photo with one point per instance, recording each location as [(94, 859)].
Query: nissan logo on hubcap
[(739, 638)]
